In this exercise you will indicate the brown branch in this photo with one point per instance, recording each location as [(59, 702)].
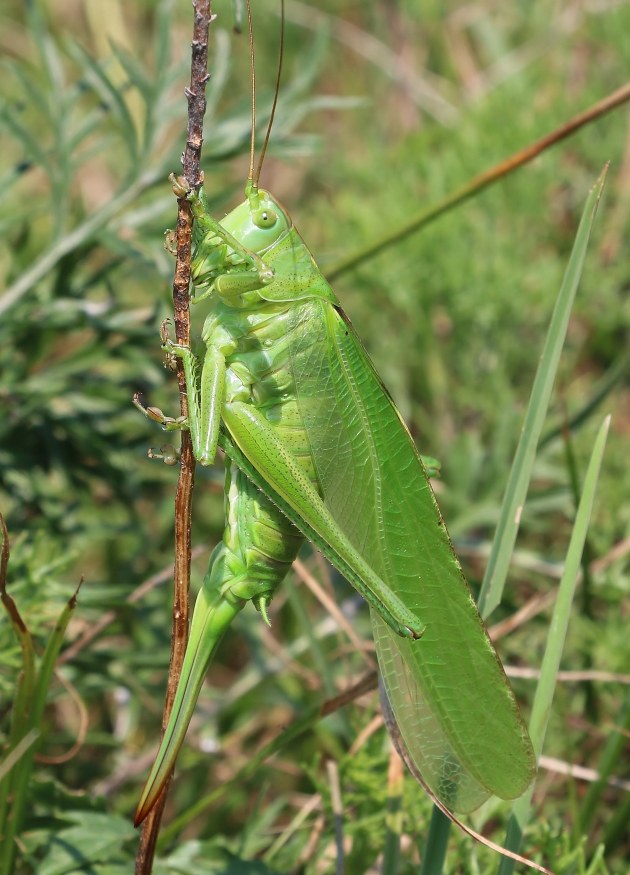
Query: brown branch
[(481, 181), (183, 497)]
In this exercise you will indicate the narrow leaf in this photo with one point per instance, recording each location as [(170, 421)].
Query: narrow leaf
[(520, 475), (111, 94), (556, 638)]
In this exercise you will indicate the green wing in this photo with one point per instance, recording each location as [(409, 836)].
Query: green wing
[(455, 710)]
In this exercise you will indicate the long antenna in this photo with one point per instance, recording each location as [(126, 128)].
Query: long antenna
[(252, 147), (275, 96)]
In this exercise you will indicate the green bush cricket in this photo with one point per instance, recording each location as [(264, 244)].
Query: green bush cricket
[(316, 448)]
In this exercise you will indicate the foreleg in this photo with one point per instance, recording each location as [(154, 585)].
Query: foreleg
[(205, 399)]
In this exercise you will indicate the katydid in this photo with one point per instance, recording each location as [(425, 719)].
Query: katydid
[(316, 448)]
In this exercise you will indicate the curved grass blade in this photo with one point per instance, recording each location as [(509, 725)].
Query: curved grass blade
[(27, 714), (520, 475), (555, 640)]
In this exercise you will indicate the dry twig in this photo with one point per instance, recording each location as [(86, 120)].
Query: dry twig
[(183, 497)]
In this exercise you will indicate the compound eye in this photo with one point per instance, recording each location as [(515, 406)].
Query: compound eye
[(264, 218)]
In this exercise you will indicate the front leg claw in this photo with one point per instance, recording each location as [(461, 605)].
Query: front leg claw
[(180, 184), (172, 350), (170, 242), (170, 347), (168, 454), (181, 187), (155, 414), (164, 331)]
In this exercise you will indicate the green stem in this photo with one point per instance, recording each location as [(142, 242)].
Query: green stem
[(437, 842)]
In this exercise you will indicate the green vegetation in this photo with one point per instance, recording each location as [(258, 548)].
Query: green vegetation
[(384, 109)]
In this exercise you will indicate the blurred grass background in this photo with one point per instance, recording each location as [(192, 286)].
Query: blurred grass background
[(385, 107)]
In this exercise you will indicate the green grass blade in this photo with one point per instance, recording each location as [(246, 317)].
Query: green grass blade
[(611, 756), (163, 32), (20, 710), (11, 760), (15, 787), (393, 827), (26, 680), (11, 783), (110, 93), (555, 640), (49, 658), (616, 829), (520, 475), (503, 544), (602, 389), (31, 148), (437, 843), (566, 591)]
